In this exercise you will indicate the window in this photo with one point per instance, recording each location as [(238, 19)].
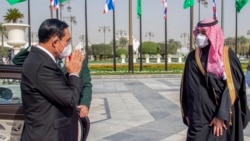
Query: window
[(10, 92)]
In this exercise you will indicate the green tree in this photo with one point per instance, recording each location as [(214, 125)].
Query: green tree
[(90, 50), (230, 42), (123, 42), (161, 49), (171, 45), (242, 45), (120, 51), (101, 50), (12, 15), (4, 51), (150, 47), (111, 43)]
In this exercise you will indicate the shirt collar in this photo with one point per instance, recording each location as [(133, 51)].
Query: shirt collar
[(46, 51)]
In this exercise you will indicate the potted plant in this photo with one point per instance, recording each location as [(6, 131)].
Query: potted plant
[(179, 57), (169, 58), (12, 15), (135, 56), (158, 56), (123, 56), (147, 58), (15, 30)]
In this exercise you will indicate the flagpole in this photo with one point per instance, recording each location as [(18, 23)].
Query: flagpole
[(114, 45), (191, 27), (139, 15), (140, 42), (199, 10), (29, 23), (236, 32), (60, 8), (166, 45), (51, 11), (57, 14), (86, 31), (131, 66), (222, 15)]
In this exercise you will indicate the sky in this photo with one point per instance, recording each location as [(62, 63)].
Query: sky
[(152, 18)]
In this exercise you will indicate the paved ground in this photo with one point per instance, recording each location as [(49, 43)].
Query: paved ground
[(138, 108)]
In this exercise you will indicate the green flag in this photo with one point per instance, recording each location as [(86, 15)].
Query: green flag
[(188, 3), (61, 1), (12, 2), (239, 4), (139, 8)]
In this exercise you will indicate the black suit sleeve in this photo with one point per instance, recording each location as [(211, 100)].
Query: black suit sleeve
[(56, 88)]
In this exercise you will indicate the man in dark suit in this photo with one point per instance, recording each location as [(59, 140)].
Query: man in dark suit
[(86, 93), (49, 97)]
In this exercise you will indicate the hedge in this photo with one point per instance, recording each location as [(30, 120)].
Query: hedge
[(173, 67)]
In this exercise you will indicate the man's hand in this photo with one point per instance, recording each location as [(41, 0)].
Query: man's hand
[(73, 63), (218, 126), (83, 110)]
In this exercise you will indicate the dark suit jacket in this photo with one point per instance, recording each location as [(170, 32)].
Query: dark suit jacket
[(86, 93), (49, 99)]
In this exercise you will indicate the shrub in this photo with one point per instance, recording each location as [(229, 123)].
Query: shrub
[(121, 51), (158, 55), (101, 51), (123, 56), (150, 48), (4, 51), (145, 66)]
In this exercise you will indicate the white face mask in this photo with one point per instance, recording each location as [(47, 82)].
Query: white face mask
[(66, 51), (201, 40)]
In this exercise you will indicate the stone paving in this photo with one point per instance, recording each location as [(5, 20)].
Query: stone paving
[(138, 109)]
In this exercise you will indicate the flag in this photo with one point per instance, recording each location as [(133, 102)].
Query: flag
[(54, 4), (109, 5), (239, 4), (139, 8), (12, 2), (61, 1), (214, 10), (165, 8), (188, 3)]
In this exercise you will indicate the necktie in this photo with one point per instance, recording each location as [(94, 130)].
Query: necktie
[(60, 63)]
